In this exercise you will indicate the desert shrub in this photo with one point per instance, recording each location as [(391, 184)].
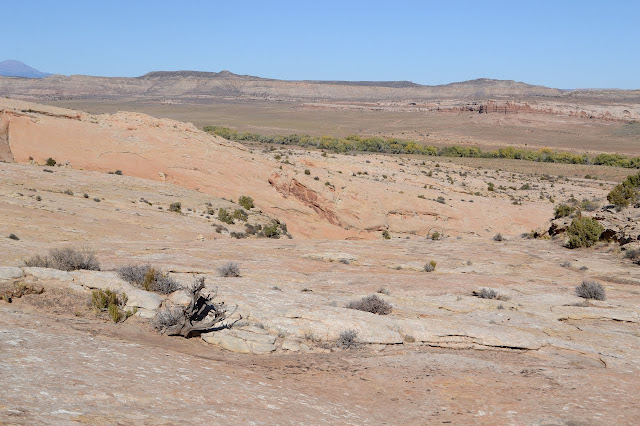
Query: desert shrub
[(589, 205), (110, 302), (486, 293), (562, 210), (175, 207), (38, 198), (491, 187), (307, 172), (431, 266), (246, 202), (591, 290), (271, 231), (65, 259), (347, 339), (633, 255), (166, 318), (621, 196), (13, 237), (68, 192), (85, 195), (441, 200), (97, 200), (240, 214), (238, 235), (149, 278), (525, 187), (498, 237), (435, 236), (372, 304), (224, 216), (384, 290), (118, 172), (50, 162), (386, 235), (583, 232), (229, 269)]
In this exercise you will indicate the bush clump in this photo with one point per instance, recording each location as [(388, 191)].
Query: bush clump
[(149, 278), (347, 339), (112, 303), (583, 232), (65, 259), (626, 192), (50, 162), (498, 237), (486, 293), (562, 210), (431, 266), (591, 290), (386, 235), (239, 214), (14, 237), (225, 216), (246, 202), (229, 269), (372, 304), (633, 255), (175, 207)]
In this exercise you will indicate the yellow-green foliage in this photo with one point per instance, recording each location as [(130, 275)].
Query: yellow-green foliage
[(356, 143), (584, 232), (224, 216), (111, 302), (246, 202), (562, 210), (625, 193)]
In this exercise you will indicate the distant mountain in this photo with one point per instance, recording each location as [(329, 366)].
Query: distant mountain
[(13, 68)]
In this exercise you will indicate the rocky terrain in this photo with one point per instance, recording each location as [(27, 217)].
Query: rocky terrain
[(536, 354), (482, 95)]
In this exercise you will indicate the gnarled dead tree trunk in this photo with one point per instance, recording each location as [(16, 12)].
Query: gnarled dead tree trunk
[(201, 315)]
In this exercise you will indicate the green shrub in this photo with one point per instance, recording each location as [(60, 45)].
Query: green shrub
[(50, 162), (110, 302), (246, 202), (621, 196), (562, 210), (386, 235), (271, 231), (225, 216), (583, 232), (307, 172), (175, 207), (240, 214)]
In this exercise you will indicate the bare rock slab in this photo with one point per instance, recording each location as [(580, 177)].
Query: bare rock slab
[(10, 273), (241, 341)]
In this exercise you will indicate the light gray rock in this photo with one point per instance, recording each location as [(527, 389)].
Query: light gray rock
[(48, 274), (294, 346), (180, 297), (241, 341), (10, 273), (145, 313)]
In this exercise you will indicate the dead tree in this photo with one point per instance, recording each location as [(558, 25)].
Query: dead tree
[(201, 315)]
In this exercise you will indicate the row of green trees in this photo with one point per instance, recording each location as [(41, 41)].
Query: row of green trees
[(354, 143)]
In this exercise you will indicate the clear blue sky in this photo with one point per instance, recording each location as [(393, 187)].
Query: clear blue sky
[(565, 44)]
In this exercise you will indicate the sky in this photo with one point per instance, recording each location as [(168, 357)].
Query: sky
[(563, 44)]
